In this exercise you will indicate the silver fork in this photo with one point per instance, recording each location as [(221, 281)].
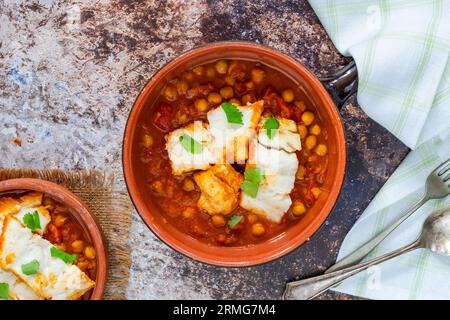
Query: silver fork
[(437, 186)]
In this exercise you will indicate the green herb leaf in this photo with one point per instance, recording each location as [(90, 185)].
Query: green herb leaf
[(190, 144), (255, 175), (4, 291), (234, 115), (67, 258), (271, 125), (250, 188), (234, 221), (253, 178), (32, 220), (30, 268)]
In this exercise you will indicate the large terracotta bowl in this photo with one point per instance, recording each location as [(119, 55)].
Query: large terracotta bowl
[(79, 211), (295, 235)]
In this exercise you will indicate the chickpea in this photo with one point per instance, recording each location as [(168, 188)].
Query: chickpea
[(302, 131), (199, 71), (250, 85), (316, 192), (307, 117), (310, 142), (321, 150), (300, 175), (247, 98), (89, 252), (181, 118), (218, 221), (60, 220), (252, 218), (62, 247), (182, 87), (257, 75), (222, 66), (189, 75), (201, 105), (214, 98), (236, 102), (170, 93), (258, 229), (83, 265), (188, 185), (147, 140), (288, 95), (226, 92), (298, 208), (301, 105), (230, 80), (210, 72), (157, 186), (78, 246), (189, 213), (315, 130)]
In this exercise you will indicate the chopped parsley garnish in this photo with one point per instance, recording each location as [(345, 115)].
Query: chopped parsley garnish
[(253, 178), (32, 220), (234, 221), (4, 291), (30, 268), (67, 258), (271, 125), (190, 144), (234, 115)]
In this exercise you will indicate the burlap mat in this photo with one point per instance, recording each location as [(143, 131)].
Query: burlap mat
[(112, 208)]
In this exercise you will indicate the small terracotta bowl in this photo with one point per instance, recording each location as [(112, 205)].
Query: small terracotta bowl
[(79, 211), (297, 234)]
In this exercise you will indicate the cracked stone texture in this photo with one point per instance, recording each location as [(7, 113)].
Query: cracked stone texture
[(70, 71)]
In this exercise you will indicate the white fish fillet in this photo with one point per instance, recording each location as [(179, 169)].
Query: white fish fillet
[(18, 290), (220, 189), (285, 138), (184, 161), (233, 139), (29, 203), (44, 217), (277, 159), (55, 280)]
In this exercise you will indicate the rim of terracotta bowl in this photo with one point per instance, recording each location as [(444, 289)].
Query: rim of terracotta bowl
[(254, 254), (79, 211)]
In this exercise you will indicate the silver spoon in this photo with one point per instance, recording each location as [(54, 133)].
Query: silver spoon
[(435, 236), (436, 187)]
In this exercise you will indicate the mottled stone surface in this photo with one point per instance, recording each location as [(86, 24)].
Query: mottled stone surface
[(70, 71)]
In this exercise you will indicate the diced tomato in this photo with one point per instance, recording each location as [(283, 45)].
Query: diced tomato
[(285, 109), (309, 197), (240, 88), (201, 90), (296, 114), (237, 70), (268, 90), (70, 233), (163, 117), (53, 234), (270, 98)]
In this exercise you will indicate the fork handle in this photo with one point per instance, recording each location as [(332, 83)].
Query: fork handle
[(364, 250), (310, 288)]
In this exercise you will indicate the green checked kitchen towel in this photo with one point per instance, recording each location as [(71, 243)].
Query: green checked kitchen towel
[(401, 49)]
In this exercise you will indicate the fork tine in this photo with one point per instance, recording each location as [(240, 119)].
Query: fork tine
[(443, 168), (447, 178)]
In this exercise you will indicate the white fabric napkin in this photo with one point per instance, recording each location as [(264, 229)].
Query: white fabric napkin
[(401, 49)]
